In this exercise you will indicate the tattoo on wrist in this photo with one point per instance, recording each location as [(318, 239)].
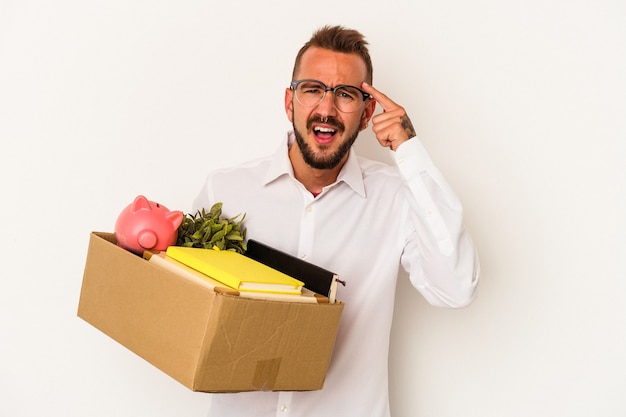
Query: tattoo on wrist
[(408, 126)]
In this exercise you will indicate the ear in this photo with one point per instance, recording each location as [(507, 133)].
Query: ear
[(370, 107), (140, 203), (289, 103), (175, 218)]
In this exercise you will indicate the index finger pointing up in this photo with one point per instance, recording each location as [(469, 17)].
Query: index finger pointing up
[(385, 102)]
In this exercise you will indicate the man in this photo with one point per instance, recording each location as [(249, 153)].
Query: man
[(362, 219)]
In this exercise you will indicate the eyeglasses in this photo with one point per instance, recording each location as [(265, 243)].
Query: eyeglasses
[(310, 93)]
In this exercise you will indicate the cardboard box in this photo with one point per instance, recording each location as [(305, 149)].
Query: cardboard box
[(207, 341)]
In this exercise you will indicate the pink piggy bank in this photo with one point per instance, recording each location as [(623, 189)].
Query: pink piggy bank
[(144, 224)]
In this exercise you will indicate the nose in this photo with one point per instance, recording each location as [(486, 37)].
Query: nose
[(327, 107)]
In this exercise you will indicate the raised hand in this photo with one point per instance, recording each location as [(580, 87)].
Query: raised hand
[(393, 126)]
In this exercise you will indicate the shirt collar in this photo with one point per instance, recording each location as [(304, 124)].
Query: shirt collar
[(281, 165), (279, 162)]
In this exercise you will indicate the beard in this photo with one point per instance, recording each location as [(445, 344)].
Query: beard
[(325, 161)]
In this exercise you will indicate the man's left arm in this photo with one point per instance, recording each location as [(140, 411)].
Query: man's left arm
[(441, 258)]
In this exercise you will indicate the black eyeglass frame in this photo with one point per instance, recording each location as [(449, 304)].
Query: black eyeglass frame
[(294, 85)]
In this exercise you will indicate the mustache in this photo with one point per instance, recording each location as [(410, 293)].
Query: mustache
[(330, 121)]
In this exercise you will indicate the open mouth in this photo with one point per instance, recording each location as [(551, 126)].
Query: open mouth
[(324, 134), (325, 131)]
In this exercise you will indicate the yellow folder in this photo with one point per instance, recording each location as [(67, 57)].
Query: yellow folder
[(235, 270)]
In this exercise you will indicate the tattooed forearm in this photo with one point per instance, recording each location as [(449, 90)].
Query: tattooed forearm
[(408, 126)]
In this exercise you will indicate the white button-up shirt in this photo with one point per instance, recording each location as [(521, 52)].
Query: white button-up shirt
[(373, 219)]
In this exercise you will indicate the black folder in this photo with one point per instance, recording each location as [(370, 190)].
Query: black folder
[(315, 278)]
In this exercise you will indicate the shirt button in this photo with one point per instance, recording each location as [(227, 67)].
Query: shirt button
[(283, 408), (304, 257), (309, 209)]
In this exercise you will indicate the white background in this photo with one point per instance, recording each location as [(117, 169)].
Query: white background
[(521, 104)]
